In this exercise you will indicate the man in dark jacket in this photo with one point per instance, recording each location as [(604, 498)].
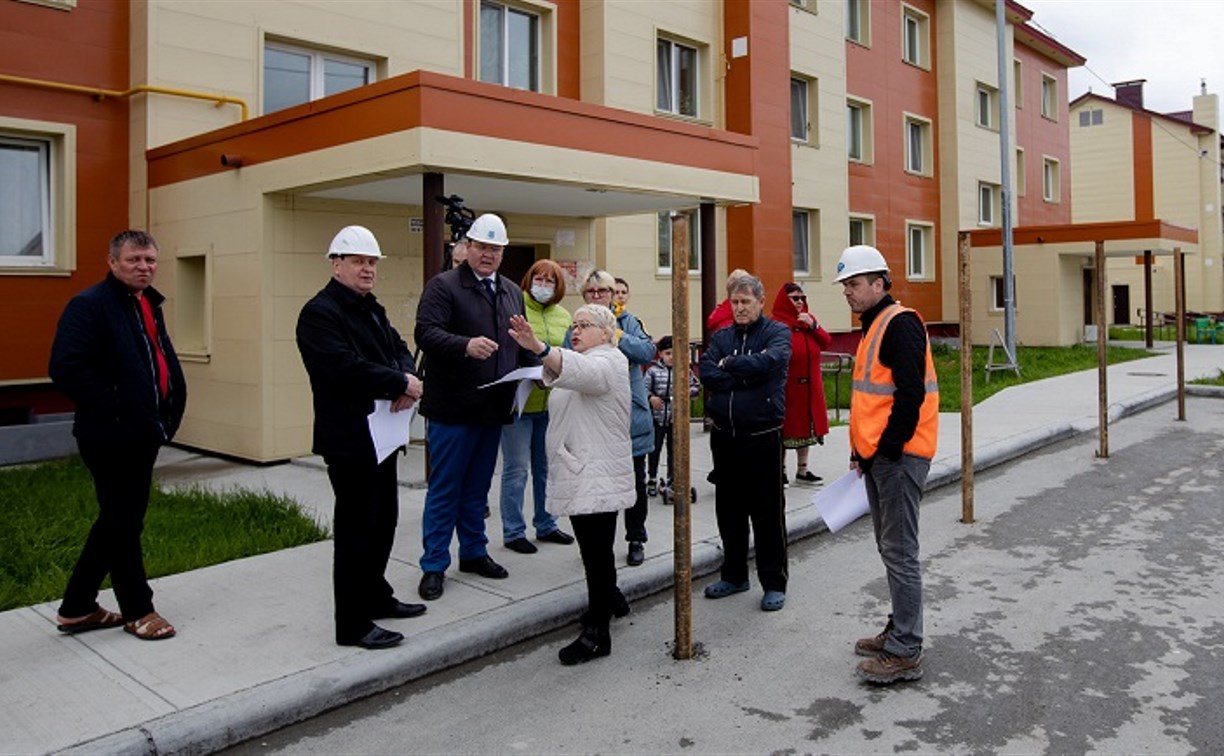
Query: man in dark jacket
[(744, 369), (354, 356), (113, 358), (462, 326)]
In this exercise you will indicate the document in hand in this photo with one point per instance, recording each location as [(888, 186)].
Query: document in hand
[(842, 502), (388, 430), (524, 376)]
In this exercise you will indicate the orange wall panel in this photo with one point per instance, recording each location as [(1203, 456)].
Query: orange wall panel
[(1040, 136), (1145, 201)]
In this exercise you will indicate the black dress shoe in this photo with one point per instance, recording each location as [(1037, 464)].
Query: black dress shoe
[(431, 586), (375, 639), (620, 606), (522, 546), (399, 610), (592, 644), (484, 567), (637, 554), (556, 536)]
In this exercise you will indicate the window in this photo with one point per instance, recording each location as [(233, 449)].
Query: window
[(987, 106), (919, 245), (192, 302), (998, 299), (862, 230), (294, 75), (677, 78), (803, 110), (37, 196), (509, 46), (1051, 190), (918, 157), (1021, 183), (1018, 83), (665, 241), (1091, 117), (988, 203), (915, 37), (858, 21), (858, 131), (805, 241), (1049, 97)]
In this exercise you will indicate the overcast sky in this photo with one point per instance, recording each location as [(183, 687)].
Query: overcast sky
[(1171, 43)]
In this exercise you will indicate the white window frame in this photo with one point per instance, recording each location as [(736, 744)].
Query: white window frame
[(317, 79), (988, 204), (193, 303), (915, 46), (1021, 181), (996, 293), (1089, 117), (55, 145), (673, 106), (1049, 97), (805, 242), (1018, 84), (986, 106), (663, 253), (858, 22), (864, 129), (867, 226), (922, 233), (1051, 179), (810, 107), (918, 162), (539, 29)]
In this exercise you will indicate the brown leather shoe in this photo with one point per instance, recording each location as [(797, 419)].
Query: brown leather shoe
[(873, 646), (887, 669)]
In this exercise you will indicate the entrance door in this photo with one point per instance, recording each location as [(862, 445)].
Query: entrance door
[(1121, 305), (1089, 296), (516, 261)]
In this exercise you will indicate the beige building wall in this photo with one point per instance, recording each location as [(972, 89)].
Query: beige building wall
[(1103, 188), (1206, 112), (1049, 294)]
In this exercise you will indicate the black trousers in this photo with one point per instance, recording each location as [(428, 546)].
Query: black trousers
[(663, 437), (596, 534), (635, 516), (749, 488), (367, 510), (122, 476)]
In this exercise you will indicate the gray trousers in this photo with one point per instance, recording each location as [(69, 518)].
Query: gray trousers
[(893, 492)]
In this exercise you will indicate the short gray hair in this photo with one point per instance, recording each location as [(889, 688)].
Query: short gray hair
[(600, 316), (599, 279), (734, 277), (748, 283), (137, 239)]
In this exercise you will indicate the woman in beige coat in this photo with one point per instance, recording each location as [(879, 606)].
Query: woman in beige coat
[(590, 458)]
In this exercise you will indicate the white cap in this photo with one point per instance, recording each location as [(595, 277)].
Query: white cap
[(354, 240), (858, 260), (489, 229)]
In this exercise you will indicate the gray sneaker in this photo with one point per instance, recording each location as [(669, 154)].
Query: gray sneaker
[(873, 646), (887, 669)]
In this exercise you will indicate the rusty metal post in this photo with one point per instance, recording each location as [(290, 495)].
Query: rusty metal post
[(681, 427), (1102, 353), (966, 377), (1179, 295), (1147, 298)]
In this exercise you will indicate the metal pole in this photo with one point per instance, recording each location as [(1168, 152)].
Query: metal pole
[(432, 187), (1147, 297), (1102, 354), (966, 378), (1009, 278), (1179, 294), (681, 427)]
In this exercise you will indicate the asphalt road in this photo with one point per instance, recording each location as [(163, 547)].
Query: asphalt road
[(1081, 613)]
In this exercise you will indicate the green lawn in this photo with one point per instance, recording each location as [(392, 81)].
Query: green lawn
[(1218, 380), (49, 508)]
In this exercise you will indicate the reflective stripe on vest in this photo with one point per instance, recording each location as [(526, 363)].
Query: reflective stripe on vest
[(871, 395)]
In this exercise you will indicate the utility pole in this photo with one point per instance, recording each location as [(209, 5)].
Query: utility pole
[(1009, 279)]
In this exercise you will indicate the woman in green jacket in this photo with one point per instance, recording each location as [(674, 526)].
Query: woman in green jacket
[(522, 441)]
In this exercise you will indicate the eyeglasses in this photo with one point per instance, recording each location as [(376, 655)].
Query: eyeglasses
[(580, 326), (598, 292), (797, 297)]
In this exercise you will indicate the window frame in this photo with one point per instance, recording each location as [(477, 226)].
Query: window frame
[(536, 56), (860, 17), (811, 107), (193, 303), (1018, 82), (56, 144), (1051, 179), (865, 131), (868, 226), (317, 79), (925, 152), (986, 117), (674, 106), (997, 294), (988, 204), (809, 219), (1021, 181), (926, 235), (1049, 97), (664, 221), (920, 57)]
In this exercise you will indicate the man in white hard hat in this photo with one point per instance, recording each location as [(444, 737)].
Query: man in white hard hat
[(353, 356), (462, 327), (894, 424)]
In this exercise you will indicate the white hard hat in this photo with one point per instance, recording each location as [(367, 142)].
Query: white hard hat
[(354, 240), (858, 260), (489, 229)]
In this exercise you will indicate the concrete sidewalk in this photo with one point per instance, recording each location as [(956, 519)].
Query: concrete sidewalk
[(255, 651)]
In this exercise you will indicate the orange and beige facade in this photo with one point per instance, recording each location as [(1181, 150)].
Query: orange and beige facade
[(243, 135)]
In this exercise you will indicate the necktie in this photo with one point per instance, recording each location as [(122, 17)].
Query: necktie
[(488, 284)]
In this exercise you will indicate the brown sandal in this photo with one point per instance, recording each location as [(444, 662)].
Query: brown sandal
[(98, 619), (152, 626)]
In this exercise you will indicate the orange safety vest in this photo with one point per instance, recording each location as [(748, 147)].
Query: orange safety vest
[(871, 395)]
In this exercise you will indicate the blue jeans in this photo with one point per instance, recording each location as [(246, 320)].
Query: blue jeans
[(522, 443), (893, 492), (461, 458)]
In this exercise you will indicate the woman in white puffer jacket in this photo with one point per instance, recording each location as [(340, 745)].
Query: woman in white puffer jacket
[(590, 458)]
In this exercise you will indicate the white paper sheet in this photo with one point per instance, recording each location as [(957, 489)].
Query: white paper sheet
[(842, 502), (523, 373), (389, 430)]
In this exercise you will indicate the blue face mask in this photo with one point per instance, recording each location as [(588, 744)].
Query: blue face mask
[(543, 294)]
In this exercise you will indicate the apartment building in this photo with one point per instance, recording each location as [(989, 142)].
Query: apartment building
[(248, 133)]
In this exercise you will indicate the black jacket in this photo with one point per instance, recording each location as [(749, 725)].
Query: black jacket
[(103, 360), (353, 356), (454, 308), (744, 369)]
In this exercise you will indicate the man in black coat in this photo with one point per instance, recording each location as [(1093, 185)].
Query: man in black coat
[(463, 327), (114, 360), (353, 356)]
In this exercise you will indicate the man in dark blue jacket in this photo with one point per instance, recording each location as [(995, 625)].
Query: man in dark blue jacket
[(114, 360), (744, 369), (354, 356)]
